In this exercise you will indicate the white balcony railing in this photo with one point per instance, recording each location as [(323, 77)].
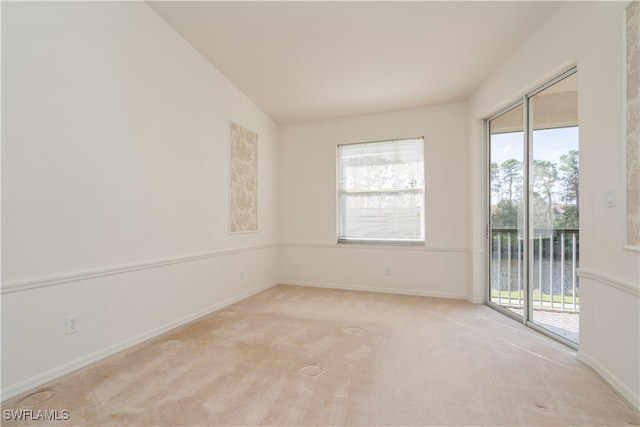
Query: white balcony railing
[(555, 285)]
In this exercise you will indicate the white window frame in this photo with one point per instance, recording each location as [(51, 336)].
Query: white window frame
[(420, 241)]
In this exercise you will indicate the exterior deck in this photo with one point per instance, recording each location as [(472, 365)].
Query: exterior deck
[(553, 280)]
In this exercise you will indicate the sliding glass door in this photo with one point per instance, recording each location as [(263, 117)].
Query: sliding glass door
[(507, 213), (533, 233)]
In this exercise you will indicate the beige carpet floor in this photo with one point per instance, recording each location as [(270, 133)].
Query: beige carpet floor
[(296, 356)]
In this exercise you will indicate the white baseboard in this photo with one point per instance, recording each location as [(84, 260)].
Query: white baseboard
[(52, 374), (613, 381), (347, 287)]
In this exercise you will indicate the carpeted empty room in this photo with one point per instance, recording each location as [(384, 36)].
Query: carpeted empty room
[(308, 356), (322, 213)]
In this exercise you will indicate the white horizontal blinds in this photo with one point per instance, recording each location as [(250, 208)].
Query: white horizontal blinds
[(381, 191)]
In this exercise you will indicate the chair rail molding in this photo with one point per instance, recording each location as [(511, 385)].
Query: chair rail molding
[(25, 285)]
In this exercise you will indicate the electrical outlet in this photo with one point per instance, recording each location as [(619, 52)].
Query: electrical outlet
[(242, 275), (387, 271), (72, 323)]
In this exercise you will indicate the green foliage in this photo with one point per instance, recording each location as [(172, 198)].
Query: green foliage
[(495, 178), (506, 180), (544, 176), (511, 173), (505, 215), (569, 166), (554, 197), (569, 219)]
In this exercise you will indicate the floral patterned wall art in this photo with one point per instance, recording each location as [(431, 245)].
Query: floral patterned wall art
[(243, 192)]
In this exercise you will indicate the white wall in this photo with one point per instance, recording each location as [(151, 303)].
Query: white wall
[(114, 185), (591, 35), (309, 253)]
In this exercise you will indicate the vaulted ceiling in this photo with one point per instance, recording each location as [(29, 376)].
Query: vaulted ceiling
[(304, 61)]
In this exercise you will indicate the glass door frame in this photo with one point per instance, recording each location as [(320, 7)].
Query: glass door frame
[(528, 252), (489, 229)]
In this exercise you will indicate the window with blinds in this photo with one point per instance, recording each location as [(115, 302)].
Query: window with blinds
[(381, 192)]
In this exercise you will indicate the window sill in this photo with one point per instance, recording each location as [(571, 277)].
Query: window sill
[(381, 242)]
